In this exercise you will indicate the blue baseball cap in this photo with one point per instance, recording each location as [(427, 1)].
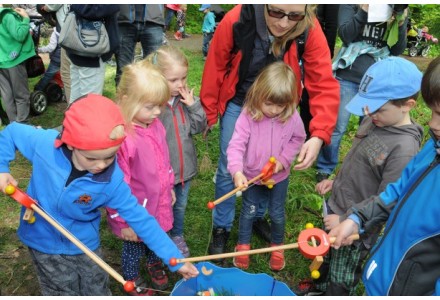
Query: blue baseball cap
[(388, 79), (204, 6)]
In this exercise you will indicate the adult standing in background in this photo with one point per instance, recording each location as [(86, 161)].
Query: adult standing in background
[(138, 23), (247, 39), (171, 11), (61, 12), (364, 43)]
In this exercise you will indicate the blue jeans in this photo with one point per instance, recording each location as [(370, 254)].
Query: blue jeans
[(181, 191), (329, 156), (207, 37), (52, 69), (150, 35), (224, 212), (169, 14), (275, 198)]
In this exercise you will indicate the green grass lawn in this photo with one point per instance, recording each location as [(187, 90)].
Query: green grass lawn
[(303, 205)]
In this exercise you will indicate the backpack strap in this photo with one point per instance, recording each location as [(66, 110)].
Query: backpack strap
[(300, 47)]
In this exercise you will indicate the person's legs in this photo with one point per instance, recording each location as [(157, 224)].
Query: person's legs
[(65, 73), (169, 14), (127, 45), (277, 200), (86, 80), (223, 214), (206, 40), (251, 199), (151, 37), (181, 191), (7, 96), (70, 275), (131, 257), (52, 69), (20, 91), (329, 156)]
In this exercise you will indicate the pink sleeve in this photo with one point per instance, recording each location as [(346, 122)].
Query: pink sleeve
[(238, 144)]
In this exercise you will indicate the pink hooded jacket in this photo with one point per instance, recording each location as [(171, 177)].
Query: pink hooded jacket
[(144, 159)]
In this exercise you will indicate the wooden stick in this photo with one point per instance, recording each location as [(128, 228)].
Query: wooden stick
[(231, 193), (92, 255), (250, 252)]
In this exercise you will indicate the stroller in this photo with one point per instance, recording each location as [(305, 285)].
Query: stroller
[(419, 41), (53, 91)]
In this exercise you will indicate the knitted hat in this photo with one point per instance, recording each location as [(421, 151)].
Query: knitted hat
[(88, 123), (389, 79)]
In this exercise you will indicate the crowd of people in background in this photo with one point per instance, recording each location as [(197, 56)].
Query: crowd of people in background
[(263, 63)]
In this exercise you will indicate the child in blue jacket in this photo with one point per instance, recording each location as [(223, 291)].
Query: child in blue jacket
[(406, 260), (74, 174)]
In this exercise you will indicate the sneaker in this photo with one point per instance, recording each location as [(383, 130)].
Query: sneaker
[(321, 176), (307, 287), (262, 228), (140, 289), (159, 278), (218, 242), (181, 244), (242, 261), (186, 35), (277, 262)]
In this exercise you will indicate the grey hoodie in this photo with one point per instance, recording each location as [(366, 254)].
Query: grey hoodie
[(376, 158)]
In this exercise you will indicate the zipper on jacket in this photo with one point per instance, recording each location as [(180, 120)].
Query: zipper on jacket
[(178, 140)]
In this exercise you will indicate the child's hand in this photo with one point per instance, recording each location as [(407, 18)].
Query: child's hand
[(331, 221), (324, 186), (129, 235), (278, 167), (22, 12), (187, 96), (188, 270), (240, 180), (5, 180), (342, 232), (173, 197)]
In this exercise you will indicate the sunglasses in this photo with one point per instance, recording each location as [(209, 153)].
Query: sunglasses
[(293, 16)]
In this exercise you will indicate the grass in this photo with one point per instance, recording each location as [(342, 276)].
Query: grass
[(17, 276)]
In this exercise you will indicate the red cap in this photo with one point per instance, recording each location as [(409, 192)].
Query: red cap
[(88, 123)]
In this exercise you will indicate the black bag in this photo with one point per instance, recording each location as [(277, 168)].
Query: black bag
[(34, 66)]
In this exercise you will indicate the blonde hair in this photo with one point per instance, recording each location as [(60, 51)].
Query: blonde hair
[(141, 83), (166, 57), (279, 43), (276, 83)]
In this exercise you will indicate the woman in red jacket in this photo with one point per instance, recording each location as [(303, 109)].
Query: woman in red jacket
[(248, 38)]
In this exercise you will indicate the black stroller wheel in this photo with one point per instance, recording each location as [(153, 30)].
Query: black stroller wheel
[(425, 51), (54, 92), (38, 102), (412, 51)]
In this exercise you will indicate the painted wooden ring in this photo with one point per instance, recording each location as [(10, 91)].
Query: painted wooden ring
[(322, 242)]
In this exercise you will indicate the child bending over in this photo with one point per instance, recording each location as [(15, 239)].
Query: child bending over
[(74, 174)]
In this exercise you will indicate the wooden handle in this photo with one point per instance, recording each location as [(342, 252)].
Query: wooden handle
[(248, 252), (234, 191)]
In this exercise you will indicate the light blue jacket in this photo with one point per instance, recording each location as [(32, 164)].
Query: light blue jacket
[(76, 206), (208, 22)]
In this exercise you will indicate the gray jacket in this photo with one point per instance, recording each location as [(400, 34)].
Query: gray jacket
[(376, 158), (129, 13), (181, 123)]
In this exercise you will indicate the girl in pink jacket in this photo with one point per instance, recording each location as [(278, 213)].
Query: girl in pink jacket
[(269, 125), (144, 159)]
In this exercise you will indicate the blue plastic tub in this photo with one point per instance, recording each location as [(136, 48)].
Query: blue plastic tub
[(230, 282)]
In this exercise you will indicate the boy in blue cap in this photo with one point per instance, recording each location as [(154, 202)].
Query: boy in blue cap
[(208, 27), (406, 260), (385, 142)]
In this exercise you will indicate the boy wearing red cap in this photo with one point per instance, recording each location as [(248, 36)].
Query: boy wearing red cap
[(74, 174)]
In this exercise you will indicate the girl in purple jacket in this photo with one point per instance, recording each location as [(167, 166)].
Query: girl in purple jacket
[(144, 159), (269, 125)]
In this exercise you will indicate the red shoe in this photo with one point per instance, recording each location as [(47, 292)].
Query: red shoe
[(277, 262), (241, 261), (159, 278), (178, 36)]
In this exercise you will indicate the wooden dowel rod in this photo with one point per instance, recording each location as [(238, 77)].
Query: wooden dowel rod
[(250, 252), (237, 189)]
